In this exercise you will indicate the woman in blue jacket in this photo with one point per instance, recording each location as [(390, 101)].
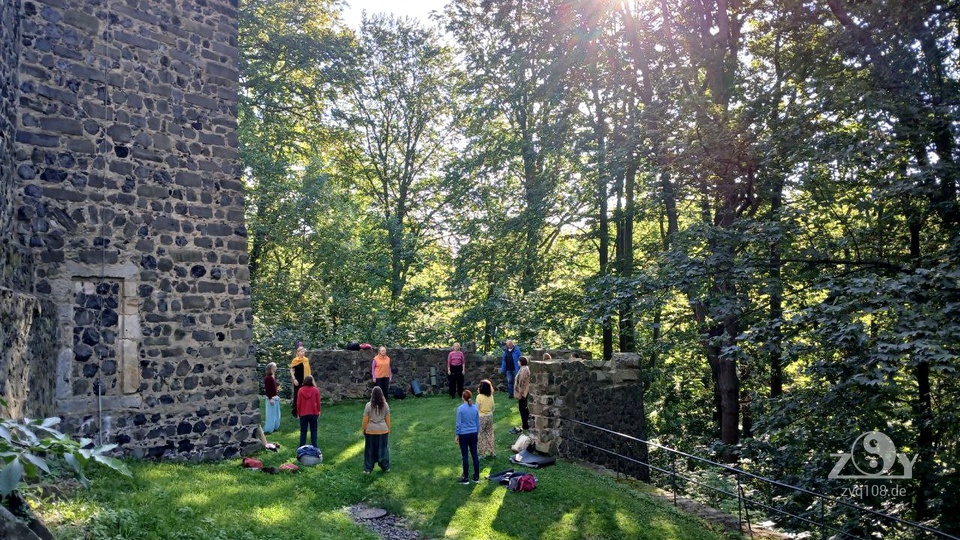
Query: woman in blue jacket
[(468, 426)]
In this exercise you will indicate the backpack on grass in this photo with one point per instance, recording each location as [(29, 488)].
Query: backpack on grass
[(522, 482), (309, 455)]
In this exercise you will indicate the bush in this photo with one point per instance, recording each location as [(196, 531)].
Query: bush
[(30, 449)]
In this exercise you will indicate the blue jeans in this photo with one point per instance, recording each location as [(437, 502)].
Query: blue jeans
[(468, 441), (308, 421), (510, 375), (272, 421)]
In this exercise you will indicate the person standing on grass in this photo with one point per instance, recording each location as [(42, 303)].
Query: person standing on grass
[(309, 404), (485, 445), (509, 366), (380, 371), (299, 370), (468, 424), (456, 369), (271, 388), (521, 390), (376, 429)]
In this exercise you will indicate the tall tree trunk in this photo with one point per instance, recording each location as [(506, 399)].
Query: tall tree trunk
[(728, 385), (775, 345), (719, 62), (533, 213), (625, 256), (395, 239), (603, 221), (922, 409)]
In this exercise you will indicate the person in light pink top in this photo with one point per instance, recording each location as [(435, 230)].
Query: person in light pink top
[(456, 367)]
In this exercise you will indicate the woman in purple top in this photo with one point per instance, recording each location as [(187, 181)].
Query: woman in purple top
[(456, 366)]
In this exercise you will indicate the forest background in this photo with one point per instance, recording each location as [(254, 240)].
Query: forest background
[(759, 197)]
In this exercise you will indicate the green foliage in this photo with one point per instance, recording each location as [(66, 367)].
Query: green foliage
[(775, 184), (33, 449)]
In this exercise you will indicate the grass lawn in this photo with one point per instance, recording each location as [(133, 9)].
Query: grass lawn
[(222, 501)]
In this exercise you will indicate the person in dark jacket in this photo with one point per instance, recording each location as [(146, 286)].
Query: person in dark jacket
[(299, 369), (510, 364)]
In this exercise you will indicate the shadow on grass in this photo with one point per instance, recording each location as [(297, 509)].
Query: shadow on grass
[(219, 500)]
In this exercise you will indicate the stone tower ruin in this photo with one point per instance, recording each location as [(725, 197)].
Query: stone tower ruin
[(124, 293)]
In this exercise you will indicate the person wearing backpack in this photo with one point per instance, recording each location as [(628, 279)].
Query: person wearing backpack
[(468, 425)]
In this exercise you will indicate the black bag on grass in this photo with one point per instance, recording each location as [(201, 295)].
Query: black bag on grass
[(502, 477), (398, 393)]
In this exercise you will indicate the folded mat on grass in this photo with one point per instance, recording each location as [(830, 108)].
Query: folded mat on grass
[(534, 461)]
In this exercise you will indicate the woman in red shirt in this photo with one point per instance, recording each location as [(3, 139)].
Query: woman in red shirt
[(308, 405)]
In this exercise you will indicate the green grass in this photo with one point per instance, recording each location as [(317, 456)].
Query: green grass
[(221, 501)]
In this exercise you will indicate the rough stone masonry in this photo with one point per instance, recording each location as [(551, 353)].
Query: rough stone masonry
[(125, 288)]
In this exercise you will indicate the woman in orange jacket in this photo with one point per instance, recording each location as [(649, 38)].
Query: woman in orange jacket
[(380, 371)]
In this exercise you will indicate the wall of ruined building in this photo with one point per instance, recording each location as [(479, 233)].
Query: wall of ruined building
[(604, 394), (18, 307), (128, 202), (9, 62)]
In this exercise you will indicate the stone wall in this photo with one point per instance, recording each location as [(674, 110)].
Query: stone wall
[(9, 61), (128, 200), (346, 374), (605, 394), (17, 306)]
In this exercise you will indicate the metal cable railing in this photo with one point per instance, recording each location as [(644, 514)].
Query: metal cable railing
[(743, 501)]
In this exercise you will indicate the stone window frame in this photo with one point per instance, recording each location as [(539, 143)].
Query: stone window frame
[(129, 335)]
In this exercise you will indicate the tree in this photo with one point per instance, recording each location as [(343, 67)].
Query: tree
[(398, 115), (294, 59), (519, 115)]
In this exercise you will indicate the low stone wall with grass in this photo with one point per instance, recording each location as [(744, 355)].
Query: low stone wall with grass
[(604, 394)]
